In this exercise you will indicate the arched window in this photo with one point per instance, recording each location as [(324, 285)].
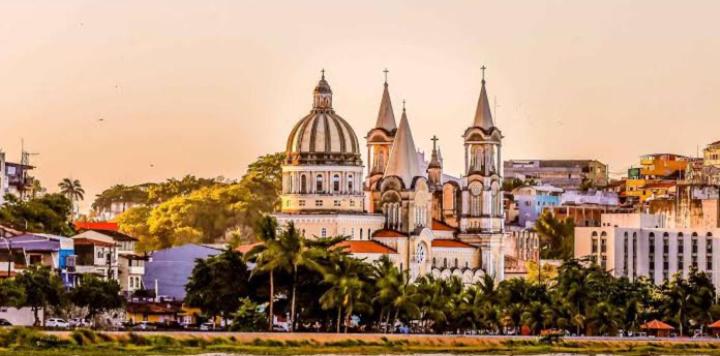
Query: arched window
[(303, 184), (350, 183), (444, 262), (361, 234), (319, 183), (323, 232), (434, 262), (456, 263), (336, 183)]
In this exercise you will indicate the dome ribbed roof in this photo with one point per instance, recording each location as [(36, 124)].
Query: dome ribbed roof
[(323, 137)]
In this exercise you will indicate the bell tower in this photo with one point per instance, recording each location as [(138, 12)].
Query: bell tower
[(380, 139)]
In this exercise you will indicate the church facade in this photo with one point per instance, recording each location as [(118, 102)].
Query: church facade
[(427, 222)]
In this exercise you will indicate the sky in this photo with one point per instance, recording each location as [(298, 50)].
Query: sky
[(135, 91)]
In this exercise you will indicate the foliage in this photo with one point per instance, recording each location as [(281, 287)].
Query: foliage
[(218, 284), (119, 193), (42, 288), (11, 294), (72, 189), (247, 317), (48, 213), (556, 236), (199, 210), (97, 295)]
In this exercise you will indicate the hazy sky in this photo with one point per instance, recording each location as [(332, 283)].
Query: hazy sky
[(204, 87)]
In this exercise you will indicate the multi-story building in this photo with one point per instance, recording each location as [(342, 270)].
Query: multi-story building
[(531, 201), (565, 174), (14, 178), (56, 252), (127, 267), (634, 245)]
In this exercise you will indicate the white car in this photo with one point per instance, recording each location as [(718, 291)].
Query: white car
[(57, 323), (79, 323)]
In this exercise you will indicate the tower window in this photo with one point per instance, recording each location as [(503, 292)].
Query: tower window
[(303, 184), (350, 183)]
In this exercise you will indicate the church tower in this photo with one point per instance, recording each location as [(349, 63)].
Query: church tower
[(379, 142), (434, 170), (481, 215)]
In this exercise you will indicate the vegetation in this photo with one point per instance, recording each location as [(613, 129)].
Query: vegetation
[(96, 295), (72, 189), (41, 288), (49, 213), (556, 236), (197, 210), (348, 294)]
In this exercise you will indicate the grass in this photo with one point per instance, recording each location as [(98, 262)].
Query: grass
[(29, 342)]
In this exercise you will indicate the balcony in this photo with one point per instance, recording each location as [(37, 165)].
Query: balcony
[(137, 270), (99, 270)]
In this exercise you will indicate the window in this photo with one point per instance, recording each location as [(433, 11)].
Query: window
[(350, 183), (323, 232), (336, 203), (352, 203), (301, 202), (444, 262), (318, 203), (303, 184), (433, 262), (336, 183), (456, 263), (319, 183)]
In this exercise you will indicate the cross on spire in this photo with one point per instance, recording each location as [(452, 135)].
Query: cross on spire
[(323, 73), (403, 105), (386, 72), (483, 72), (434, 139)]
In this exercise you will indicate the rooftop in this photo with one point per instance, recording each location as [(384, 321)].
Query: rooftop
[(365, 246)]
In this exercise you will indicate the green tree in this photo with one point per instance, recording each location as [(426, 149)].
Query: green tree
[(11, 293), (72, 189), (42, 288), (268, 258), (537, 316), (346, 291), (556, 236), (48, 213), (96, 295), (218, 284), (247, 317)]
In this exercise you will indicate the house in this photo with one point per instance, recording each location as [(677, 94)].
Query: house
[(168, 270), (130, 266), (47, 250), (566, 174), (95, 254), (532, 200)]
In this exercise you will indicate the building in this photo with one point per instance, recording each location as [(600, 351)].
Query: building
[(95, 254), (56, 252), (167, 271), (531, 200), (128, 265), (14, 178), (424, 220), (634, 245), (565, 174)]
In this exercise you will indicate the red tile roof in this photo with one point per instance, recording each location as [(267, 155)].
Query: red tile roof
[(388, 233), (365, 246), (96, 225), (656, 325), (451, 243), (715, 325), (246, 248), (441, 226)]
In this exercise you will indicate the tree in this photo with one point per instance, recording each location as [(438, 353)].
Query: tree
[(247, 317), (537, 316), (218, 284), (556, 236), (42, 288), (346, 291), (72, 189), (11, 293), (267, 257), (97, 295), (48, 213)]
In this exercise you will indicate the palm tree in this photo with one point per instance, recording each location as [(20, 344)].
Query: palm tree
[(537, 316), (346, 287), (556, 236), (267, 256), (387, 278), (72, 189), (605, 318)]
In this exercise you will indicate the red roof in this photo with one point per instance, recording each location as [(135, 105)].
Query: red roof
[(365, 246), (451, 243), (441, 226), (715, 325), (246, 248), (96, 225), (388, 233), (656, 325)]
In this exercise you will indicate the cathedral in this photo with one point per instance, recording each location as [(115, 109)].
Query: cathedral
[(425, 221)]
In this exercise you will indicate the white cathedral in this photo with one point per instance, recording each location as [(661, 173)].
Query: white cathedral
[(406, 208)]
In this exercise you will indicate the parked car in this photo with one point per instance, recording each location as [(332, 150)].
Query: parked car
[(144, 325), (57, 323), (79, 323), (5, 322)]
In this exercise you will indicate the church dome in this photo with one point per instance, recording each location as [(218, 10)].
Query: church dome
[(322, 136)]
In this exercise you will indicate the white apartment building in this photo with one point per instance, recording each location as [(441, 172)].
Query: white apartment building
[(635, 245)]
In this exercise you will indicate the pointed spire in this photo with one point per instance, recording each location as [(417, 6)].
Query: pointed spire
[(434, 158), (403, 161), (386, 116), (483, 116)]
